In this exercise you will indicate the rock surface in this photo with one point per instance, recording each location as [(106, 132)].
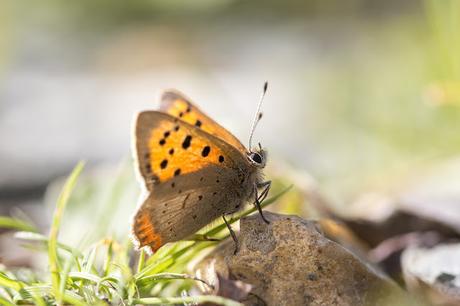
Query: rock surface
[(290, 262)]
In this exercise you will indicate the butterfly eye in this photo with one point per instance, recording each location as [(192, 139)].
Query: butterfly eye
[(255, 157)]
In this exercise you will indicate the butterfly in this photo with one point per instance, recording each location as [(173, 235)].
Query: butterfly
[(194, 171)]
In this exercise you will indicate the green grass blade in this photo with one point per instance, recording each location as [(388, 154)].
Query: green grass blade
[(202, 237), (41, 238), (108, 259), (86, 276), (72, 300), (16, 224), (165, 276), (110, 285), (41, 289), (88, 261), (188, 299), (65, 274), (46, 290), (161, 265), (54, 231), (7, 282), (38, 300), (91, 278), (5, 302), (141, 263)]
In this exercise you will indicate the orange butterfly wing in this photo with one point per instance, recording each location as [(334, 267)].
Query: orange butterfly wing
[(173, 157), (177, 105), (167, 147)]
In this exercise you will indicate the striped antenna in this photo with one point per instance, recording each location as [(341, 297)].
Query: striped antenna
[(258, 115)]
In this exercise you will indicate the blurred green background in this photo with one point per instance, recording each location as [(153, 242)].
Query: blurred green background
[(360, 91)]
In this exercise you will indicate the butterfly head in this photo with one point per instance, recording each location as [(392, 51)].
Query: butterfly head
[(257, 157)]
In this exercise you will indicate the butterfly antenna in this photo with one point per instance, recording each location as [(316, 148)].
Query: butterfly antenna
[(258, 115)]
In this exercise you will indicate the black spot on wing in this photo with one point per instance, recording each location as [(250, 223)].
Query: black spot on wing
[(206, 151), (187, 141), (164, 164), (177, 172), (221, 159), (198, 123)]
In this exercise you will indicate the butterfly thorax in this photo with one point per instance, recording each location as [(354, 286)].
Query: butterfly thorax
[(249, 178)]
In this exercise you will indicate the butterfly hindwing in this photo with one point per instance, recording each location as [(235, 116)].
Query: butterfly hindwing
[(174, 212), (179, 106), (167, 147)]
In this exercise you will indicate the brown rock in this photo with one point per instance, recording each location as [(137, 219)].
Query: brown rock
[(290, 262)]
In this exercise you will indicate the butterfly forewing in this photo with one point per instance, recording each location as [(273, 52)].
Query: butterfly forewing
[(168, 147), (179, 106)]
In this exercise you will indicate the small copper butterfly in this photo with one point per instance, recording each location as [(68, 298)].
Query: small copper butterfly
[(193, 169)]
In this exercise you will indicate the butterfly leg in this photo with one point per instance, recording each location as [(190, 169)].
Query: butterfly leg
[(264, 193), (259, 198), (232, 233)]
